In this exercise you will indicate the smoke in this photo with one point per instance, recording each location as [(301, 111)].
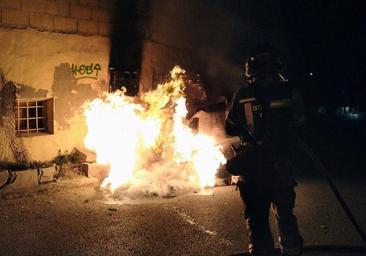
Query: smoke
[(219, 35), (159, 177)]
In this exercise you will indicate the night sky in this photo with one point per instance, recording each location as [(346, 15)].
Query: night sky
[(326, 38), (336, 53)]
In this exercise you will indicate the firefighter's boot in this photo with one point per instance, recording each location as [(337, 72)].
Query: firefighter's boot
[(260, 241)]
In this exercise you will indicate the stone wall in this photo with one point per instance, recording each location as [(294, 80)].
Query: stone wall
[(85, 17), (60, 58)]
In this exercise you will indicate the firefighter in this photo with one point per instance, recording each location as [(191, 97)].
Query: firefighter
[(262, 113)]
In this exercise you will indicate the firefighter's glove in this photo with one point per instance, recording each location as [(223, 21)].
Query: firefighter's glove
[(246, 161), (235, 165)]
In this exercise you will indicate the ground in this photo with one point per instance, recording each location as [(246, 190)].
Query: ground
[(74, 217)]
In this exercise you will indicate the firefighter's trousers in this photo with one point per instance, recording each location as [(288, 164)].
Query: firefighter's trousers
[(259, 196)]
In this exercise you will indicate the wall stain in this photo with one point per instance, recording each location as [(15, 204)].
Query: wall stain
[(25, 91), (69, 96)]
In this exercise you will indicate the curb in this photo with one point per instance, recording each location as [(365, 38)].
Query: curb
[(27, 180)]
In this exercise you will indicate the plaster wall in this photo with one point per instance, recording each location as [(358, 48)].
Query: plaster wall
[(44, 65)]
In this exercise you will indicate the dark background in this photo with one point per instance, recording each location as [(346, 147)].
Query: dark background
[(325, 38)]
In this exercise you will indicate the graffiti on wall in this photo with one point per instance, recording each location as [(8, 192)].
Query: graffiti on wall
[(86, 71), (69, 94)]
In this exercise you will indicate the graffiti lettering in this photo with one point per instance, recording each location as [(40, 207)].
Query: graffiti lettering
[(86, 71)]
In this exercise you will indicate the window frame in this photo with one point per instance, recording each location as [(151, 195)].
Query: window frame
[(45, 116)]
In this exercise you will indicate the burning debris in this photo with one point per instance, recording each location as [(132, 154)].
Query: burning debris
[(147, 142)]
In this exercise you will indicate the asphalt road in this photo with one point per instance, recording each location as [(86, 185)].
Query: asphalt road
[(73, 217), (340, 146)]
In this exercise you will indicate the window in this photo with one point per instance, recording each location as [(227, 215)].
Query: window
[(34, 116)]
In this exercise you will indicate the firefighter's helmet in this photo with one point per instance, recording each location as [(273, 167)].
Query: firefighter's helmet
[(263, 60)]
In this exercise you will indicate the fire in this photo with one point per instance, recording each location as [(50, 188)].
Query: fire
[(147, 143)]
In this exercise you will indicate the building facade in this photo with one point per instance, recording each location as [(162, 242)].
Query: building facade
[(54, 55)]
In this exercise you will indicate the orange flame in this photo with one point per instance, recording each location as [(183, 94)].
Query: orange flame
[(147, 143)]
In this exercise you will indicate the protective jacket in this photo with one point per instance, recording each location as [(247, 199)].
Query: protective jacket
[(264, 115)]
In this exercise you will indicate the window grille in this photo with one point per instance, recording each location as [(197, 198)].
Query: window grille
[(34, 116)]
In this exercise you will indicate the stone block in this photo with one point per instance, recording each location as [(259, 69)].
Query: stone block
[(33, 5), (81, 12), (25, 181), (87, 27), (92, 3), (74, 2), (35, 20), (46, 174), (101, 15), (14, 17), (85, 155), (107, 4), (99, 171), (10, 4), (67, 25), (58, 7), (104, 28), (42, 21)]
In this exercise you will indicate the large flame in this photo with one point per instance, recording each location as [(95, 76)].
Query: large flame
[(147, 143)]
